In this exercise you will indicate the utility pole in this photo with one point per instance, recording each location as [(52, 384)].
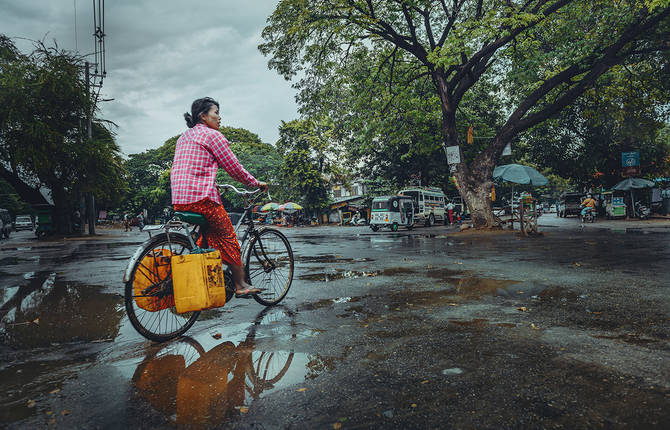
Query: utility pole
[(90, 199), (97, 76)]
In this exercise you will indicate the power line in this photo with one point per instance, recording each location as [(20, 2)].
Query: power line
[(76, 48)]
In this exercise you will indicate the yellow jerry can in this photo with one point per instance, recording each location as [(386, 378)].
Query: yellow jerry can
[(149, 278), (198, 281)]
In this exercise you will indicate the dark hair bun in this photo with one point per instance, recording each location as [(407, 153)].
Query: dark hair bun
[(199, 107), (189, 120)]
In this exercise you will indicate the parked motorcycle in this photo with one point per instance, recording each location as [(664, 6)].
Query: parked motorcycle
[(357, 221), (642, 211)]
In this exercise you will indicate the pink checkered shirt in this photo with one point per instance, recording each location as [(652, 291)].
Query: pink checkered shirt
[(199, 153)]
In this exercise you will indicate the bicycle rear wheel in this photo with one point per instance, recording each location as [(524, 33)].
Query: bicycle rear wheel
[(148, 294), (269, 265)]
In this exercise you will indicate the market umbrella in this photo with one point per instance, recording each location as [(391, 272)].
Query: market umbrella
[(519, 174), (289, 207), (272, 206), (633, 184)]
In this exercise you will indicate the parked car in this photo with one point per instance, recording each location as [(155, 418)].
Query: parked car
[(5, 223), (23, 222), (569, 204)]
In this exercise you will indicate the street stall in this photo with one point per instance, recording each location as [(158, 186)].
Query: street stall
[(288, 210), (631, 184), (525, 210), (614, 204)]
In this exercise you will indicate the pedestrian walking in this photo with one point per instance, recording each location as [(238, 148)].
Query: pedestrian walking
[(140, 221), (126, 222)]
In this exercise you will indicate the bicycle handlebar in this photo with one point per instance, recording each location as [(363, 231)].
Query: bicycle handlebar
[(244, 193)]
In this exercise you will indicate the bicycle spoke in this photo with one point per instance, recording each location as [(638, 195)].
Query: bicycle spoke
[(157, 322)]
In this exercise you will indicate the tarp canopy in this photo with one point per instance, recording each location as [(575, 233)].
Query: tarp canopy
[(633, 184)]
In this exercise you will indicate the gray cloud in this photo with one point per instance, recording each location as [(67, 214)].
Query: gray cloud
[(161, 55)]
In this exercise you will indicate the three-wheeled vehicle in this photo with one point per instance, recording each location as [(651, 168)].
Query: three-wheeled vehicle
[(392, 212)]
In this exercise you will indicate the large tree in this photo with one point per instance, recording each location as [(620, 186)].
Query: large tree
[(43, 135), (543, 54)]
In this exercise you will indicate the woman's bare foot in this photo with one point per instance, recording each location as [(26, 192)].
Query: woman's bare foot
[(242, 289), (246, 291)]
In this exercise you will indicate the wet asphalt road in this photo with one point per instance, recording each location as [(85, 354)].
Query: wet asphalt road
[(421, 329)]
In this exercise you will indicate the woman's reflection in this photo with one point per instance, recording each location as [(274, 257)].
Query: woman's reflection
[(197, 387)]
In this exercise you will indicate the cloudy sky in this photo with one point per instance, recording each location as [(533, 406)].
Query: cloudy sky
[(163, 54)]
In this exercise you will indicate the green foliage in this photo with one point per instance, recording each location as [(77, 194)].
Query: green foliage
[(43, 134), (623, 112), (149, 171), (306, 147), (11, 200), (260, 159)]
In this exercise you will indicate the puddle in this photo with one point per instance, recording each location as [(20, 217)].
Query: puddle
[(353, 274), (204, 385), (331, 259), (477, 322), (632, 338), (30, 378), (11, 261), (457, 290), (443, 273), (325, 303), (45, 311)]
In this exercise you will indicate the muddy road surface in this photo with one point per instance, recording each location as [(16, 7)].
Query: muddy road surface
[(427, 328)]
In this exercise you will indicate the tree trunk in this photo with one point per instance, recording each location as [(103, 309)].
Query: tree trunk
[(62, 211), (474, 181), (476, 194)]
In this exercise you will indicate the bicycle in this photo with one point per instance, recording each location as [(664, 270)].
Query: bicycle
[(218, 379), (266, 255)]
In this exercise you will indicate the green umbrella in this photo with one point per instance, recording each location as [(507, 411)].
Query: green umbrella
[(519, 174)]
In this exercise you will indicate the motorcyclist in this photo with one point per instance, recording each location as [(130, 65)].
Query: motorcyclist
[(589, 204)]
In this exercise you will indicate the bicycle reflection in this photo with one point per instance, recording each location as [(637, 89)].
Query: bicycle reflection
[(196, 387)]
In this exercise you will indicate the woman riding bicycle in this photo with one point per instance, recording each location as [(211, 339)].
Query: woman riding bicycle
[(200, 152)]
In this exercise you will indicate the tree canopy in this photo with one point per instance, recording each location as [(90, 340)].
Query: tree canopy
[(43, 131), (150, 171), (531, 59)]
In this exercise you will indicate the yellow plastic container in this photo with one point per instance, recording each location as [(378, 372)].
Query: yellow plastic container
[(198, 281)]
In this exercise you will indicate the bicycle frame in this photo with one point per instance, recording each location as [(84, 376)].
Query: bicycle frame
[(176, 224)]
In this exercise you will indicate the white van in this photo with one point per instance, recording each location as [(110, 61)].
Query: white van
[(429, 204)]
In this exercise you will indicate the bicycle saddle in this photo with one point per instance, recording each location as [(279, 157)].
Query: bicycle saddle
[(191, 217)]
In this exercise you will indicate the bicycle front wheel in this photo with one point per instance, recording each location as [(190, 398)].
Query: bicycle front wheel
[(149, 296), (269, 265)]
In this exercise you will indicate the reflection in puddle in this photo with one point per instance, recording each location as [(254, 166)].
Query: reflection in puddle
[(202, 383), (331, 259), (44, 311), (353, 274)]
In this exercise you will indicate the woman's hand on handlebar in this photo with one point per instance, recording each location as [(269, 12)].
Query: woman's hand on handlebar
[(263, 186)]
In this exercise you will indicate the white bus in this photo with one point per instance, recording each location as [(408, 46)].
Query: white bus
[(429, 204)]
